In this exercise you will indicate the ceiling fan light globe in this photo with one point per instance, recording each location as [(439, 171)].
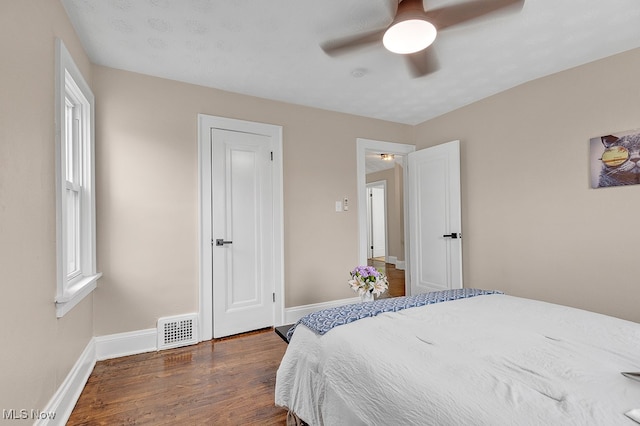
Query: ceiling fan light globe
[(409, 36)]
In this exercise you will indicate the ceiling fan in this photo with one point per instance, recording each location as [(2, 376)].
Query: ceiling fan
[(413, 30)]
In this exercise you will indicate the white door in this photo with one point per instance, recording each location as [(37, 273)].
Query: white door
[(435, 218), (242, 232), (377, 219)]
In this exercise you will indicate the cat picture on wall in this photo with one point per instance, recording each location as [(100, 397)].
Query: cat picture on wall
[(615, 159)]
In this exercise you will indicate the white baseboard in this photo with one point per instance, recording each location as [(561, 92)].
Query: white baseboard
[(98, 349), (292, 315), (131, 343), (64, 400), (399, 264), (124, 344)]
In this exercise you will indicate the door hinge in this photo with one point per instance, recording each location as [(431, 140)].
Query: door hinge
[(274, 297), (271, 155)]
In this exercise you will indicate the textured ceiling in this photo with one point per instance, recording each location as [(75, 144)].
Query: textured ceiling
[(270, 49)]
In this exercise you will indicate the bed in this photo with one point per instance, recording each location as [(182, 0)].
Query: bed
[(491, 359)]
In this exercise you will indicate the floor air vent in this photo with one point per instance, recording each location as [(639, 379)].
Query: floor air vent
[(177, 331)]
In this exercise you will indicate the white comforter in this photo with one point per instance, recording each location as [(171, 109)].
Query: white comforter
[(486, 360)]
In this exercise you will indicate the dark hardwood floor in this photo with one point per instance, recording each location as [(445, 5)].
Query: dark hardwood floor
[(227, 381), (221, 382)]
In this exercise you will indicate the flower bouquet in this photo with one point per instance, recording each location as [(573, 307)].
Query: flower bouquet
[(367, 281)]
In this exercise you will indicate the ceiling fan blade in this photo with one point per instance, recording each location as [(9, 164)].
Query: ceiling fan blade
[(347, 44), (423, 62), (449, 16)]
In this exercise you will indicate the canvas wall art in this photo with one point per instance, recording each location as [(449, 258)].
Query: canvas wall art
[(615, 159)]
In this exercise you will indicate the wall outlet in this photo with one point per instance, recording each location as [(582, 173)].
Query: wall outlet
[(345, 204)]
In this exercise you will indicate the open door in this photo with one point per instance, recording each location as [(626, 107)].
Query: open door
[(435, 218)]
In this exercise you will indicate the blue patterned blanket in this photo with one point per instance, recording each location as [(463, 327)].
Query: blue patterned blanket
[(324, 320)]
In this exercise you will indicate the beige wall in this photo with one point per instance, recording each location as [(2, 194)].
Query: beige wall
[(531, 224), (395, 219), (38, 350), (147, 195)]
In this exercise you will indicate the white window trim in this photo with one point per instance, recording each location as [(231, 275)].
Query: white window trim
[(69, 292)]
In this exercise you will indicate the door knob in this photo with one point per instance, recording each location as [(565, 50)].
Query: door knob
[(453, 235), (221, 242)]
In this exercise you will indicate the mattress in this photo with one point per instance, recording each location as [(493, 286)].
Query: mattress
[(487, 360)]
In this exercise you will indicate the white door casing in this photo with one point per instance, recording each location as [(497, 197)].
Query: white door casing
[(435, 218), (240, 204)]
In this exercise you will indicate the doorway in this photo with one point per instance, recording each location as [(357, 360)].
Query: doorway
[(432, 235), (367, 150)]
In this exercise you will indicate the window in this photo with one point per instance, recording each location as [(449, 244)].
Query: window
[(75, 191)]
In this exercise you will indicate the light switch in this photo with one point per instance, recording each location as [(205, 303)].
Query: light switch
[(345, 204), (338, 206)]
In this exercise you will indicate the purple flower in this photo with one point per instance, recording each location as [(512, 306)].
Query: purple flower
[(368, 279), (366, 272)]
